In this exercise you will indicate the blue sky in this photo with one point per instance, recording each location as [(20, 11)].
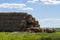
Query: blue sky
[(47, 12)]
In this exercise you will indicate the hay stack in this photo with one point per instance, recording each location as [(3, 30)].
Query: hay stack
[(17, 21)]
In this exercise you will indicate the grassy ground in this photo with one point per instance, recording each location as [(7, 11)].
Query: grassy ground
[(58, 29), (29, 36)]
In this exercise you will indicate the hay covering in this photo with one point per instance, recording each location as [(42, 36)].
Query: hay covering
[(17, 21)]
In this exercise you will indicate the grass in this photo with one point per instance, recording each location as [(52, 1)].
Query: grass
[(29, 36), (58, 29)]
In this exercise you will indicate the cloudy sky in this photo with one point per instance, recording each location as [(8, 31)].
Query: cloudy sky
[(47, 12)]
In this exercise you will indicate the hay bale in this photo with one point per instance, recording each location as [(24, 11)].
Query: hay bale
[(33, 30), (50, 30)]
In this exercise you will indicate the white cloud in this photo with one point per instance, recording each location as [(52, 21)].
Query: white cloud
[(15, 5), (47, 19), (50, 22), (33, 1), (45, 1), (50, 1), (27, 8), (11, 5)]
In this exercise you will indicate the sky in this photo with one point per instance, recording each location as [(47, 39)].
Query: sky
[(47, 12)]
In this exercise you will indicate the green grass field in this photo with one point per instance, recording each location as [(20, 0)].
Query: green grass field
[(30, 36)]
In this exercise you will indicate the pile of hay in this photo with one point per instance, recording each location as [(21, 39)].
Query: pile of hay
[(20, 21), (17, 21)]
